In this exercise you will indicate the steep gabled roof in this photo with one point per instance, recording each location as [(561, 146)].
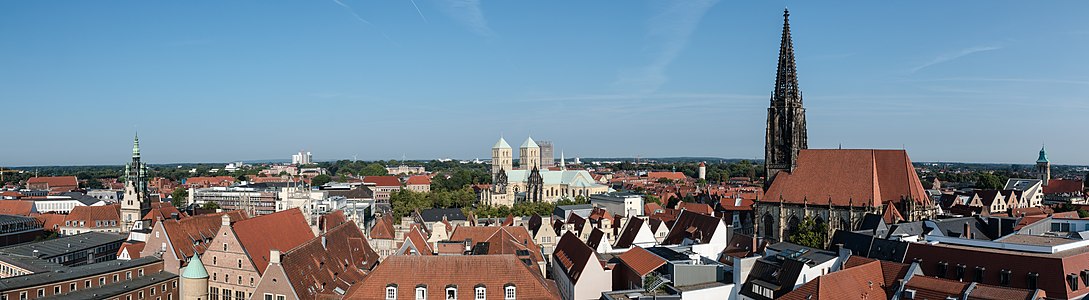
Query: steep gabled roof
[(464, 272), (629, 233), (280, 230), (416, 238), (695, 226), (858, 177), (641, 261), (1064, 186), (56, 181), (191, 235), (383, 228), (573, 255), (335, 260), (90, 214), (864, 281)]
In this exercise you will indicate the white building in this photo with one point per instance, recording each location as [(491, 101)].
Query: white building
[(627, 204), (301, 158)]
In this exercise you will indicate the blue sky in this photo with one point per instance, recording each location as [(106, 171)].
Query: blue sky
[(980, 81)]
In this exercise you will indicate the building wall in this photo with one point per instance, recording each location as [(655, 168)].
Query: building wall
[(780, 216), (274, 283), (225, 267), (82, 283)]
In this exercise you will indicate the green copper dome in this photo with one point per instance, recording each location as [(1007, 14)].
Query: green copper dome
[(195, 269), (1043, 156)]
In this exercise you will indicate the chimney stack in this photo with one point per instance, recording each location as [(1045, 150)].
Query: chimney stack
[(967, 231), (274, 256)]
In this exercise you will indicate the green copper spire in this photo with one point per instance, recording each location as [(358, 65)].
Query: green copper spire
[(136, 146), (1043, 156), (195, 268)]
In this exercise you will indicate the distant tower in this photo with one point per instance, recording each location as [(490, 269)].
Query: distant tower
[(786, 117), (1043, 167), (529, 155), (703, 171), (194, 280), (502, 158), (548, 154), (563, 162), (135, 202)]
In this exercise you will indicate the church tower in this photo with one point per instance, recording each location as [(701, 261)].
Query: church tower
[(786, 117), (502, 158), (135, 202), (530, 155), (1043, 167)]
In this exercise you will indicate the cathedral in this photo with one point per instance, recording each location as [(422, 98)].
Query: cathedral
[(835, 187), (135, 203), (533, 180)]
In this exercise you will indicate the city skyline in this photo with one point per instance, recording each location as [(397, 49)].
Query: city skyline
[(228, 89)]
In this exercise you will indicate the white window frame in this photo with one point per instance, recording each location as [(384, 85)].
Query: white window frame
[(480, 293), (448, 296), (391, 293), (509, 292), (421, 293)]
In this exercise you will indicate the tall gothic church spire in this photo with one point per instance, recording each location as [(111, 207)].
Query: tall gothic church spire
[(786, 132)]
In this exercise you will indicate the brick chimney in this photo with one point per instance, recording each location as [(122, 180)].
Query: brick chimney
[(274, 256)]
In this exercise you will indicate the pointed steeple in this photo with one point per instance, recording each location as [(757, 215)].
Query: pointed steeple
[(1043, 156), (563, 162), (136, 145), (786, 78)]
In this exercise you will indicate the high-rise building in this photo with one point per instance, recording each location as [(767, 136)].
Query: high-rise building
[(548, 158), (786, 117), (301, 158), (135, 203)]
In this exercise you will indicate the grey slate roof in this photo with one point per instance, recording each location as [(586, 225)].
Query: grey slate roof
[(68, 244), (69, 273), (436, 214)]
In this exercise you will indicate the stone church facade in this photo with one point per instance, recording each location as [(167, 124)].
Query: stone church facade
[(836, 187)]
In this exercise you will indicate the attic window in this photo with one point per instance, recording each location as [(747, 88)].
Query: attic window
[(1032, 279), (1004, 277), (979, 274), (1085, 277), (1072, 280), (960, 272), (942, 266)]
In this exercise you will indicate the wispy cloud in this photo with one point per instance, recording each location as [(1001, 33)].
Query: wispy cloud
[(668, 34), (418, 10), (361, 19), (469, 14), (954, 55)]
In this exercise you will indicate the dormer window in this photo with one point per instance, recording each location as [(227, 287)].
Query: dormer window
[(391, 292), (480, 293), (421, 293), (451, 292), (509, 293)]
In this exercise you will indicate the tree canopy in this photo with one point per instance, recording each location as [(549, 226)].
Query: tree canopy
[(810, 233)]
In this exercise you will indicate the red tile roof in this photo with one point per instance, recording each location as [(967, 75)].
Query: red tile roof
[(418, 179), (383, 228), (16, 207), (990, 292), (163, 210), (936, 288), (494, 272), (192, 235), (289, 227), (382, 180), (859, 282), (55, 183), (696, 208), (694, 226), (416, 237), (669, 175), (322, 265), (641, 261), (1064, 186), (572, 254), (210, 181), (90, 214), (848, 177), (891, 215), (133, 248), (51, 222), (500, 239), (732, 204)]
